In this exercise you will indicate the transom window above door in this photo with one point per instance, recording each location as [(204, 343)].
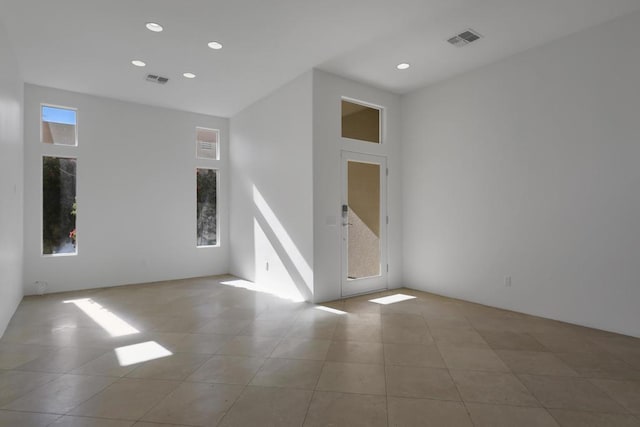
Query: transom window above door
[(361, 122)]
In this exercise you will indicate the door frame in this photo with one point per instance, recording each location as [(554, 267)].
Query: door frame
[(350, 287)]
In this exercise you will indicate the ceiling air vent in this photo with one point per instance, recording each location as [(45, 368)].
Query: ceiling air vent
[(156, 79), (464, 38)]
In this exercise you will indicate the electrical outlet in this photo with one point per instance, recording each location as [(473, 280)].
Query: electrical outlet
[(266, 266), (507, 281)]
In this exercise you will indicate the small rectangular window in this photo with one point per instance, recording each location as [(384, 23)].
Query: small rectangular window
[(58, 125), (207, 143), (206, 207), (58, 205), (360, 122)]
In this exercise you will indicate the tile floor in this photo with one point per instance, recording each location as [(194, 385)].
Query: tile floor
[(236, 357)]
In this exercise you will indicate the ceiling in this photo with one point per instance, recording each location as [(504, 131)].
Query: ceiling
[(87, 45)]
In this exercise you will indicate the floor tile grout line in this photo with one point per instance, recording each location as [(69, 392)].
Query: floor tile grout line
[(472, 325), (313, 394), (583, 412), (17, 411), (462, 400), (315, 388), (386, 389), (514, 374), (56, 420), (160, 400), (245, 386), (30, 390), (466, 317), (83, 401), (94, 418)]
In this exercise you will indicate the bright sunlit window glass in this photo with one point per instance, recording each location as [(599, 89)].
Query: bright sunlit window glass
[(206, 207), (207, 143), (111, 323), (391, 299), (361, 122), (138, 353), (59, 206), (58, 125)]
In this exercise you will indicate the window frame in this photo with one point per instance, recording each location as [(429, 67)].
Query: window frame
[(60, 107), (217, 131), (67, 254), (216, 170), (381, 119)]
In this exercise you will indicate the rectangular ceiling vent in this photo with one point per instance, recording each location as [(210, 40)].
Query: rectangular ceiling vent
[(156, 79), (464, 38)]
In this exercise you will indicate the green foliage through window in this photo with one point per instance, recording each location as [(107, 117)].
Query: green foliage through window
[(206, 211), (58, 205)]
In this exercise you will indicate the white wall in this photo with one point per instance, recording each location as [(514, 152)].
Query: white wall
[(135, 190), (271, 191), (11, 183), (328, 90), (529, 168)]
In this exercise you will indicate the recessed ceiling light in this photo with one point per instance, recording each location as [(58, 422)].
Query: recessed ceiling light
[(152, 26), (403, 66), (138, 63), (215, 45), (189, 75)]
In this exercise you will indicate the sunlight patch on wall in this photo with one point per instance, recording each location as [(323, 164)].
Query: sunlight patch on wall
[(272, 275), (138, 353), (103, 317), (292, 251)]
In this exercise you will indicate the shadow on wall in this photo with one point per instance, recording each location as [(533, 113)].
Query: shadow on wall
[(278, 242)]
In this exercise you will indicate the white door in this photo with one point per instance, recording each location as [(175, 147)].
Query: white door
[(364, 223)]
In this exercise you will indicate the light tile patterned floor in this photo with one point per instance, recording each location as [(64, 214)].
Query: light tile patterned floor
[(236, 357)]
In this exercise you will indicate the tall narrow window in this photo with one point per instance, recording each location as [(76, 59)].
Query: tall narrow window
[(361, 122), (206, 207), (58, 205), (58, 125), (207, 143)]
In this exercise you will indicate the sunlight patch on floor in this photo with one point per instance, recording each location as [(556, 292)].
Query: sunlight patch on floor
[(391, 299), (138, 353), (290, 295), (103, 317), (329, 309)]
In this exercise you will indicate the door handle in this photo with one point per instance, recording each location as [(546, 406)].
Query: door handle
[(345, 215)]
